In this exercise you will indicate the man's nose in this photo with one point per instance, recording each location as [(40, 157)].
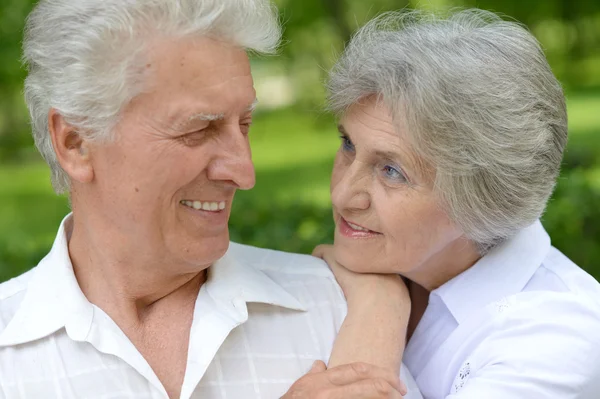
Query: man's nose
[(233, 163), (351, 192)]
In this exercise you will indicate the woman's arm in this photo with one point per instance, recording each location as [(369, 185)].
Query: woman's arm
[(374, 330), (367, 354)]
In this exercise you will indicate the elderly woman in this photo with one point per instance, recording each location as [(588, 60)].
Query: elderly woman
[(452, 134)]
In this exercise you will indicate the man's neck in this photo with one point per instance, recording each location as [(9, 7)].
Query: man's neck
[(128, 286)]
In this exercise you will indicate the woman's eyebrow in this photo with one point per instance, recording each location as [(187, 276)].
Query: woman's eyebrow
[(341, 129), (390, 155)]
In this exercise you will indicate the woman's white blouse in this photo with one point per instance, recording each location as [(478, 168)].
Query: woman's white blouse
[(522, 323)]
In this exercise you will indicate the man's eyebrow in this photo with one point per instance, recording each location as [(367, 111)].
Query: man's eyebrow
[(252, 106), (216, 117), (205, 117), (202, 116)]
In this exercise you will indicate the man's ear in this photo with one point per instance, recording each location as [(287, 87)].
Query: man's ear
[(72, 150)]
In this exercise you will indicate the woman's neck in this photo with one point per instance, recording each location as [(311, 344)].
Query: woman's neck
[(445, 265), (437, 271), (419, 298)]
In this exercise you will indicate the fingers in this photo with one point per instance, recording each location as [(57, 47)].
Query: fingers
[(356, 372), (325, 252), (367, 389), (317, 367), (351, 381), (320, 250), (403, 388)]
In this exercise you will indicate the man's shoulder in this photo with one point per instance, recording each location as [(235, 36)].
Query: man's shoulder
[(12, 293), (270, 260), (304, 276)]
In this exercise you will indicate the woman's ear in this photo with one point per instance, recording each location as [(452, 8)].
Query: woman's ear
[(72, 150)]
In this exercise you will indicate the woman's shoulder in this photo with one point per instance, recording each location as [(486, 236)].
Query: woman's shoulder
[(542, 341), (558, 271), (546, 307), (560, 299), (558, 287)]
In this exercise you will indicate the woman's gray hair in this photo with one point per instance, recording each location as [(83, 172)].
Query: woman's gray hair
[(85, 58), (480, 105)]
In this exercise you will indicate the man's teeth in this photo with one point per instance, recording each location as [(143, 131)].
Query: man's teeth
[(355, 227), (205, 206)]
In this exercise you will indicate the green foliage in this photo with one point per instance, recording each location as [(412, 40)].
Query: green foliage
[(293, 227), (30, 214), (289, 208), (573, 218), (14, 135)]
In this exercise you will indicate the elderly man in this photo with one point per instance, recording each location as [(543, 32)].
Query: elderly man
[(142, 111)]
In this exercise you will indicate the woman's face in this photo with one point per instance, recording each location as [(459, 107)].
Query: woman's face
[(387, 218)]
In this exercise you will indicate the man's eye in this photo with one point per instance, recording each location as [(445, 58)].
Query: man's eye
[(245, 127), (192, 139)]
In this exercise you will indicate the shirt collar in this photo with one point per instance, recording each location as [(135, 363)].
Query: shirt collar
[(502, 272), (233, 278), (53, 299)]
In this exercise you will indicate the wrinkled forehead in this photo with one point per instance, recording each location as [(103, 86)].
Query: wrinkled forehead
[(196, 79), (205, 61)]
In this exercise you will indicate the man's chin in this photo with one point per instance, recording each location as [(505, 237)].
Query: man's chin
[(206, 250)]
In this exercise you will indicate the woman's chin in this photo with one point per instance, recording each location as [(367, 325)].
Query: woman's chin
[(359, 261), (353, 260)]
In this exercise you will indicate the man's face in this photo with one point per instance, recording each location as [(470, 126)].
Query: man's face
[(180, 152)]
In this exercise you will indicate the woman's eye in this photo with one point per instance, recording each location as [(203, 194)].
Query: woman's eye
[(393, 173), (347, 144)]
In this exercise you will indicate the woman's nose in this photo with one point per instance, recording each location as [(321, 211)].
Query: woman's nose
[(351, 189)]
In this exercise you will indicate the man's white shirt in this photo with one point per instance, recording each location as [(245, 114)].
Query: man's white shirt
[(522, 323), (260, 321)]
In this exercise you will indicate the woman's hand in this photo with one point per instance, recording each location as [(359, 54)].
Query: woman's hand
[(351, 381), (361, 289), (374, 331)]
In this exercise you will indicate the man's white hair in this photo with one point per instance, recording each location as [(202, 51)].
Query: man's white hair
[(85, 58), (480, 105)]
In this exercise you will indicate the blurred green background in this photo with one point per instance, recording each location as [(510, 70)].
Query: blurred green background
[(294, 141)]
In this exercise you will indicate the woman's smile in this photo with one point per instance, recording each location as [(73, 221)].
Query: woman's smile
[(352, 230)]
